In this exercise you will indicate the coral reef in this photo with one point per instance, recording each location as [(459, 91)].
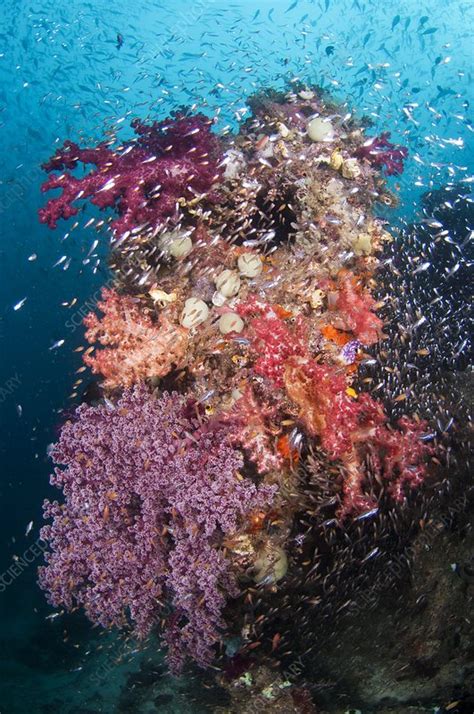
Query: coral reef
[(278, 479)]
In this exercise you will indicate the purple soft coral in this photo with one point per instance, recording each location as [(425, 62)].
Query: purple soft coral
[(150, 491), (170, 160), (380, 152)]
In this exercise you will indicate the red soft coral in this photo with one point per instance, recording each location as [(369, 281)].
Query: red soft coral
[(355, 310), (272, 339), (399, 456), (252, 431), (135, 347), (326, 410), (350, 429)]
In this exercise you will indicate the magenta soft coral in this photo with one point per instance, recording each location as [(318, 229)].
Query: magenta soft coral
[(381, 153), (171, 160)]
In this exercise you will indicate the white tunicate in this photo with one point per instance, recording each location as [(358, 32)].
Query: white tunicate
[(362, 244), (316, 299), (230, 322), (194, 312), (228, 283), (351, 169), (161, 297), (181, 247), (320, 130), (250, 265)]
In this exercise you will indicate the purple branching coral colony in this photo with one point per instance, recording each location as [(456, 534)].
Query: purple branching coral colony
[(151, 488), (144, 179), (381, 153)]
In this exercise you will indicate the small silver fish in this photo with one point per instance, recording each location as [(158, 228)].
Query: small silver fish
[(110, 405), (206, 396), (20, 304), (60, 261), (55, 345), (93, 247), (422, 267)]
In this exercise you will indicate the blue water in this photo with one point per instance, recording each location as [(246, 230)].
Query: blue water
[(406, 65)]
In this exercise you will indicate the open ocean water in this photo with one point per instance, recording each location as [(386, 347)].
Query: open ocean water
[(80, 70)]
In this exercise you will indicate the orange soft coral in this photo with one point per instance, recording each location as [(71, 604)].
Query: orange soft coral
[(337, 336), (135, 347), (326, 410)]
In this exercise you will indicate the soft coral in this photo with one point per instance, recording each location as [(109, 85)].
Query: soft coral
[(170, 160), (380, 152)]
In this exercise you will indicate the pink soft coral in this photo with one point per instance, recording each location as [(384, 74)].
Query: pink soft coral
[(252, 431), (135, 347)]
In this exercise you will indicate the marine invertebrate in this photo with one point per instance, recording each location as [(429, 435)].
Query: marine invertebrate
[(134, 347), (272, 339), (355, 307), (143, 180), (150, 488), (381, 153), (320, 130), (251, 419), (325, 409), (399, 455), (271, 564), (350, 427)]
